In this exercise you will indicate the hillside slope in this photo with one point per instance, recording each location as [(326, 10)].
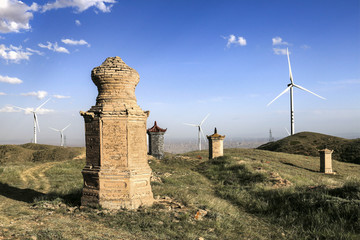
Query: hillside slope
[(247, 194), (31, 152), (309, 144)]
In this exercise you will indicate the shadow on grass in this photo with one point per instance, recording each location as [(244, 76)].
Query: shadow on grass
[(293, 165), (18, 194), (27, 195)]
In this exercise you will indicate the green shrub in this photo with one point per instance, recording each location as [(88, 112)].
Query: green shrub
[(351, 152)]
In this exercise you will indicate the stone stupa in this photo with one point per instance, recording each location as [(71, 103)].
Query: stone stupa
[(117, 174)]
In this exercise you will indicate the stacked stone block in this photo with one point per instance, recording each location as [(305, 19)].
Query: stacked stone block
[(117, 174), (156, 141), (326, 160), (216, 145)]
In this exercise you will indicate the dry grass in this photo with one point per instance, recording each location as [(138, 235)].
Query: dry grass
[(241, 196), (308, 143)]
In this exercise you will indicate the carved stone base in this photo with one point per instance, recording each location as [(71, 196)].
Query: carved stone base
[(120, 189)]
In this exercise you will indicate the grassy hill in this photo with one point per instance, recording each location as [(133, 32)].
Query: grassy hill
[(308, 144), (247, 194), (31, 152)]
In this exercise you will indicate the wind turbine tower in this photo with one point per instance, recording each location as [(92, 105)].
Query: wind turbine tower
[(36, 123), (200, 131), (62, 140), (290, 87), (271, 138)]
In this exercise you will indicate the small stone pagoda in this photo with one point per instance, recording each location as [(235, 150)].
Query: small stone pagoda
[(216, 145), (326, 160), (117, 174), (156, 141)]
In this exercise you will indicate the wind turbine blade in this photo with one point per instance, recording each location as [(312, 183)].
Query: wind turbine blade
[(287, 89), (302, 88), (41, 105), (202, 133), (189, 124), (20, 108), (290, 73), (37, 123), (66, 127), (54, 129), (204, 119)]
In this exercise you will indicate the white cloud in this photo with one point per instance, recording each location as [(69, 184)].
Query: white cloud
[(60, 49), (15, 15), (9, 109), (280, 51), (35, 51), (278, 41), (77, 22), (54, 47), (49, 46), (75, 42), (42, 111), (232, 40), (11, 80), (80, 5), (38, 94), (60, 96), (2, 94), (14, 54)]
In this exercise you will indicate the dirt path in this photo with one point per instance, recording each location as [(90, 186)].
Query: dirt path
[(35, 177)]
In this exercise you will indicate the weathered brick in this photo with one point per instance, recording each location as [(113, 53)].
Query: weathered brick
[(216, 145), (117, 174)]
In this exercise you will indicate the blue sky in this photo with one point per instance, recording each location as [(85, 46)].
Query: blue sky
[(225, 58)]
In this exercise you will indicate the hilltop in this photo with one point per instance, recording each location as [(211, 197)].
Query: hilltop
[(31, 152), (309, 144), (247, 194)]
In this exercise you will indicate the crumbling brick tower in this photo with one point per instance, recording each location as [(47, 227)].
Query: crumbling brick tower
[(117, 174)]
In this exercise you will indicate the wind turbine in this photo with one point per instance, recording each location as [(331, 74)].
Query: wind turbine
[(200, 131), (36, 123), (290, 87), (61, 134), (287, 131)]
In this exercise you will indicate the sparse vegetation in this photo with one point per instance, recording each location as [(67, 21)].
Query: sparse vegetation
[(309, 143), (247, 194), (31, 152), (309, 211)]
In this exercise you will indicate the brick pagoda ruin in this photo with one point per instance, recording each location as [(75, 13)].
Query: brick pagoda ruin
[(117, 174), (156, 141), (216, 145)]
